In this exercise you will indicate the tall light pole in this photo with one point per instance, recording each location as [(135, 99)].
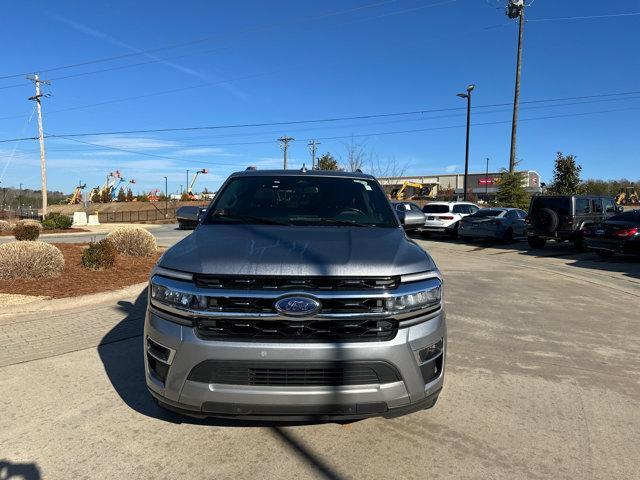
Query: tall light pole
[(20, 200), (466, 156), (166, 196), (486, 182), (515, 9), (187, 184)]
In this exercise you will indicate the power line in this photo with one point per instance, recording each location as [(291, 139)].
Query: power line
[(584, 17), (337, 119)]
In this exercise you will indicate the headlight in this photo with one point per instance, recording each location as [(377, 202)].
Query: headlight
[(414, 301), (178, 299)]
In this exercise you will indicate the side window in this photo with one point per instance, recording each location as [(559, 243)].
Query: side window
[(473, 209), (597, 205), (583, 205), (522, 214), (464, 209), (512, 215), (609, 206)]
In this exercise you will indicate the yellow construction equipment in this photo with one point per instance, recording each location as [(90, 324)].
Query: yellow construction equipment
[(413, 191), (628, 196), (77, 195)]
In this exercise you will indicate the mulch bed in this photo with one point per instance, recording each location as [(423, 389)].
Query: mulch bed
[(77, 280), (54, 230)]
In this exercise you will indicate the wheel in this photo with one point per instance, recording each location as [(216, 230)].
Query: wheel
[(578, 243), (454, 232), (605, 253), (425, 234), (507, 237), (546, 220), (536, 242)]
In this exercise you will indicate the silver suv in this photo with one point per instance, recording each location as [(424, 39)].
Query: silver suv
[(298, 296)]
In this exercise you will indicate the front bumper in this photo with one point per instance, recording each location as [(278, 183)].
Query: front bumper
[(417, 385), (614, 245)]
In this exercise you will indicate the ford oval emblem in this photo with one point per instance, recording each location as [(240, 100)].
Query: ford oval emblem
[(297, 306)]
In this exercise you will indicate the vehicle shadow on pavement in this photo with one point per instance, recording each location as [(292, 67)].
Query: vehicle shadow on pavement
[(22, 471)]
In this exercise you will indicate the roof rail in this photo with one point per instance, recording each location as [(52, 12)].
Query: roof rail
[(250, 167)]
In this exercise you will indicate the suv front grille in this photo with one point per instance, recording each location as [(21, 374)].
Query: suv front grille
[(265, 305), (297, 330), (262, 282), (294, 374)]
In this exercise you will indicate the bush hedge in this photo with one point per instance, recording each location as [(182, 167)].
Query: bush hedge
[(133, 241), (26, 231), (30, 221), (30, 260), (5, 227), (100, 255), (55, 220)]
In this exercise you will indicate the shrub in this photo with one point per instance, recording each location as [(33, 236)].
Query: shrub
[(55, 220), (99, 255), (30, 221), (29, 260), (26, 231), (133, 241), (5, 227)]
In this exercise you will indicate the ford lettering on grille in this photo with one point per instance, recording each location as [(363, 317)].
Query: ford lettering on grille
[(297, 306)]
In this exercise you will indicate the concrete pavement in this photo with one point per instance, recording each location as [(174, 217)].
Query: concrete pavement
[(543, 381)]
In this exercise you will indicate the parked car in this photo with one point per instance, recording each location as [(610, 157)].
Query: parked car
[(619, 234), (297, 296), (498, 223), (189, 216), (410, 215), (563, 217), (444, 217)]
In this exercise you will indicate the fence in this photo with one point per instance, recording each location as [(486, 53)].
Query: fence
[(152, 214)]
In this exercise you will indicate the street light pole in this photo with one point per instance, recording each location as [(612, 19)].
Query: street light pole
[(486, 182), (466, 156), (166, 197)]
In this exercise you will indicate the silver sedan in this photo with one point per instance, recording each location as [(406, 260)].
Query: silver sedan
[(497, 223)]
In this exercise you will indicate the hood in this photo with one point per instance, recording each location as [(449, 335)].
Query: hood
[(297, 251)]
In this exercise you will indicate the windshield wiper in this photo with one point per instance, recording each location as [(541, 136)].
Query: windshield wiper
[(264, 221)]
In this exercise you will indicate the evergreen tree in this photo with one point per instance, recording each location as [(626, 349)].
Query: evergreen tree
[(94, 196), (511, 191), (129, 196), (105, 196), (566, 176), (327, 162), (121, 195)]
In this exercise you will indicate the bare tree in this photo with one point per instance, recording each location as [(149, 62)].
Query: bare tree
[(356, 155)]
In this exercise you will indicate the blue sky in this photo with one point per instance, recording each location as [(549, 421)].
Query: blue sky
[(247, 62)]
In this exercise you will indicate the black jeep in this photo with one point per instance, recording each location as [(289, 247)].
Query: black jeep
[(562, 217)]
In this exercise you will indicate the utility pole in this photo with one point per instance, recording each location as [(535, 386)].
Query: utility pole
[(284, 144), (187, 184), (43, 165), (515, 9), (466, 156), (486, 182), (20, 200), (313, 144)]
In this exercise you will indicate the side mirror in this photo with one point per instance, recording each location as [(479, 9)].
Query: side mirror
[(411, 218)]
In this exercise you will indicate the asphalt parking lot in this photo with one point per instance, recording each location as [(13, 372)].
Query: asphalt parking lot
[(543, 381)]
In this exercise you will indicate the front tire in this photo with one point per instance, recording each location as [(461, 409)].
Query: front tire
[(454, 231), (578, 243), (536, 242), (424, 234), (507, 237)]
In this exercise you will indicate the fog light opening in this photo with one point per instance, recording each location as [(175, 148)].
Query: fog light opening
[(431, 351)]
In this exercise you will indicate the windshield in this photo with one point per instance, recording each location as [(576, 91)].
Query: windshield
[(487, 212), (297, 200), (435, 209)]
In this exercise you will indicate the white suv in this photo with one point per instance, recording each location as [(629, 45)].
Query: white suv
[(444, 217)]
